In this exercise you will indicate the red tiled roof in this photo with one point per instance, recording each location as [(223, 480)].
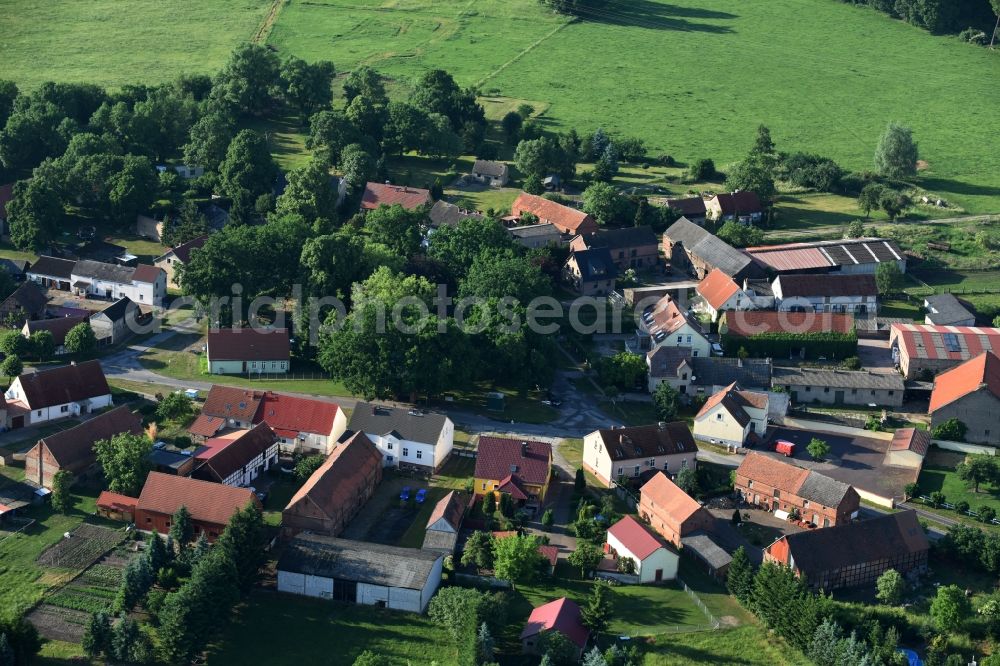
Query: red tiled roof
[(77, 443), (772, 472), (550, 553), (229, 402), (566, 219), (739, 202), (639, 539), (561, 615), (236, 452), (58, 327), (694, 206), (512, 486), (291, 414), (668, 317), (717, 288), (827, 285), (206, 426), (927, 341), (381, 194), (911, 439), (449, 507), (206, 501), (499, 458), (338, 481), (249, 344), (983, 371), (667, 498), (735, 401), (115, 502), (755, 322), (146, 273)]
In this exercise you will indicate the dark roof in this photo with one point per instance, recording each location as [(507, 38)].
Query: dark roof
[(823, 489), (841, 546), (443, 213), (14, 266), (595, 264), (530, 230), (146, 273), (77, 443), (648, 440), (53, 267), (827, 285), (498, 458), (117, 310), (97, 270), (688, 206), (614, 239), (739, 202), (824, 254), (358, 561), (28, 296), (415, 426), (749, 373), (235, 455), (248, 344), (685, 231), (710, 249), (58, 386), (705, 548), (58, 327), (664, 360), (945, 309), (183, 251), (862, 379)]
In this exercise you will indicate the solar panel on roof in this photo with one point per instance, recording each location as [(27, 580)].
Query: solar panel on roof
[(951, 342)]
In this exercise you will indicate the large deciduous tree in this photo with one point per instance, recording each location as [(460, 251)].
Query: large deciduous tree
[(248, 166), (125, 461), (307, 85), (34, 214), (896, 153)]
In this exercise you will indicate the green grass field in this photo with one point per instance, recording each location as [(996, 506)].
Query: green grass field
[(939, 475)]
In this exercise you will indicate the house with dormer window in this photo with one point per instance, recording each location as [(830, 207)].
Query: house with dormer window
[(619, 454)]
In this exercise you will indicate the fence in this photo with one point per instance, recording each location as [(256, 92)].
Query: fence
[(27, 522), (287, 376), (948, 505), (712, 620)]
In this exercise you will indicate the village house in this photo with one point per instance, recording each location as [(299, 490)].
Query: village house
[(210, 505), (732, 417), (226, 407), (119, 321), (142, 284), (744, 207), (591, 272), (720, 293), (58, 327), (237, 458), (488, 172), (947, 310), (72, 450), (831, 386), (786, 489), (52, 272), (361, 572), (619, 454), (444, 214), (386, 194), (248, 350), (923, 351), (654, 560), (630, 247), (178, 256), (520, 468), (533, 236), (562, 615), (853, 294), (336, 491), (692, 250), (567, 220), (970, 392), (185, 171), (406, 438), (670, 511), (854, 554), (46, 395), (444, 523), (691, 208), (859, 255), (704, 374), (26, 303), (666, 324)]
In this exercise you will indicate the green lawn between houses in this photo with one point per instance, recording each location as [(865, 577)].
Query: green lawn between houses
[(938, 475)]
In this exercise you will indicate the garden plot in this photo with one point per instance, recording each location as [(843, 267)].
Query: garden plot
[(82, 548)]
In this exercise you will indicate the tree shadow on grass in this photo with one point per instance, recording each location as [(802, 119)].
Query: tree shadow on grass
[(656, 16), (958, 187)]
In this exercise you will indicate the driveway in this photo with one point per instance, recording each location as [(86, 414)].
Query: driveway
[(875, 355)]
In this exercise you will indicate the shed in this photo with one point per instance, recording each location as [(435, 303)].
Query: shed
[(654, 560), (701, 547)]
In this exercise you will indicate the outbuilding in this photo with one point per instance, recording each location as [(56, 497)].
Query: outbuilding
[(359, 572), (654, 560)]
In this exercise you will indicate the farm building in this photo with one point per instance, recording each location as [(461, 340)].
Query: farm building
[(923, 351), (732, 417), (709, 554), (705, 374), (46, 395), (567, 220), (947, 310), (854, 554), (73, 449), (744, 207), (861, 255), (562, 615), (908, 448), (691, 249), (591, 272), (336, 491), (359, 572), (782, 487), (115, 506), (406, 438), (517, 467), (248, 350), (691, 208), (852, 294), (57, 327), (840, 387), (654, 560), (211, 505), (489, 172), (619, 454), (444, 523), (26, 303), (444, 214), (765, 333), (670, 511), (534, 236), (630, 247), (970, 392), (52, 272), (237, 458), (385, 194), (118, 321)]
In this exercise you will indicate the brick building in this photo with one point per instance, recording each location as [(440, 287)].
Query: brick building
[(671, 512), (211, 505)]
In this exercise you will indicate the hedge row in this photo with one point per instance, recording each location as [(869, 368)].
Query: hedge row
[(781, 345)]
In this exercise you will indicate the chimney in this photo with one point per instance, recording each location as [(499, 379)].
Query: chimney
[(524, 449)]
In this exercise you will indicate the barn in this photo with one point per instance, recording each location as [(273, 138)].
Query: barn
[(365, 573)]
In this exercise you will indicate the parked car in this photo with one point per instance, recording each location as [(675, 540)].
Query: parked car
[(405, 494), (785, 448), (421, 495)]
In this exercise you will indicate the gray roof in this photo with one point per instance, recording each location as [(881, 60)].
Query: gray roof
[(489, 168), (359, 561), (627, 237), (823, 490), (443, 213), (751, 373), (837, 378), (664, 360), (533, 230), (52, 267), (707, 550), (721, 255), (595, 264), (118, 309), (14, 266), (945, 310), (444, 542), (685, 231), (167, 458), (96, 270), (376, 420)]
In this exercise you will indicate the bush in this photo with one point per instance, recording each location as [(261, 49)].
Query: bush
[(951, 430), (973, 36), (666, 160), (961, 507), (851, 363), (701, 170)]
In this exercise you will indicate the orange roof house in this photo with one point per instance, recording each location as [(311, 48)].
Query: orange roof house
[(385, 194), (970, 392), (567, 220), (211, 505), (671, 512), (720, 292)]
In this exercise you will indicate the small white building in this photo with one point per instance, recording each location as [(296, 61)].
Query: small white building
[(142, 284), (72, 390), (654, 560), (850, 294), (359, 572), (731, 416), (666, 324), (407, 438), (494, 174)]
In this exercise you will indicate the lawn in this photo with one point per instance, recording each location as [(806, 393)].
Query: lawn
[(455, 473), (632, 412), (939, 475), (111, 42), (572, 451), (324, 632), (749, 645)]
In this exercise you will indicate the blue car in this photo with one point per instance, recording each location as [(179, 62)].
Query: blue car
[(405, 495), (421, 495)]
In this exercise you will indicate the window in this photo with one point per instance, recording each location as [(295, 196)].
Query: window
[(484, 485), (750, 483), (718, 416), (684, 376), (684, 463), (148, 519), (854, 391), (809, 388), (680, 339), (826, 389), (694, 352), (64, 409), (873, 392), (389, 446), (420, 454), (651, 462), (892, 393), (666, 465), (805, 504), (406, 452), (621, 471), (777, 493), (689, 339), (389, 458), (635, 472), (39, 412)]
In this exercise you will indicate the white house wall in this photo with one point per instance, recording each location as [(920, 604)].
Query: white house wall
[(306, 585), (432, 584), (661, 558), (719, 426)]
